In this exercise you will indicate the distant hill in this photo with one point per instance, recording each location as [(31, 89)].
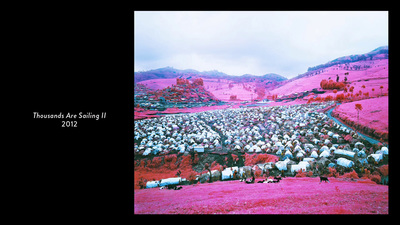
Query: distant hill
[(381, 52), (170, 72)]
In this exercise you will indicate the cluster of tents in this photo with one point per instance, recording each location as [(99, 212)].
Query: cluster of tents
[(301, 135)]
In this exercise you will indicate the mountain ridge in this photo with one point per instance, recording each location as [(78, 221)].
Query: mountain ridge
[(170, 72)]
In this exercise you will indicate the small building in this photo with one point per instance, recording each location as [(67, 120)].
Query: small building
[(199, 148)]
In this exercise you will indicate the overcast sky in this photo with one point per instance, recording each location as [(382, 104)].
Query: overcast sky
[(236, 43)]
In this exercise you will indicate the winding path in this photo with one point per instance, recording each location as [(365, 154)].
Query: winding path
[(369, 139)]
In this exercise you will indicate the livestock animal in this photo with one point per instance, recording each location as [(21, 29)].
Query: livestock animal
[(251, 180), (171, 186), (321, 178)]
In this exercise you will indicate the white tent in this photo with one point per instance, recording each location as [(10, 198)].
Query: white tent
[(377, 157), (288, 153), (181, 148), (152, 184), (147, 151), (384, 150), (324, 148), (344, 162), (324, 154), (308, 159), (314, 154), (299, 154)]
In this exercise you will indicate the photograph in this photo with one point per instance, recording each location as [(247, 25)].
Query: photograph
[(260, 112)]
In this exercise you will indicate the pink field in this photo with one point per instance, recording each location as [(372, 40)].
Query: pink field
[(374, 113), (372, 77), (291, 196), (220, 89)]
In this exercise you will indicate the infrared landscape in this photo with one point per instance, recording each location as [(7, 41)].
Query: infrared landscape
[(312, 125)]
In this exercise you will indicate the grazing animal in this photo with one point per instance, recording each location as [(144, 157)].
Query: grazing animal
[(171, 186), (321, 178), (251, 180)]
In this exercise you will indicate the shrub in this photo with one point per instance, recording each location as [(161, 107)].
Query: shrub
[(156, 162), (170, 162), (351, 174), (300, 173), (384, 170), (235, 157), (367, 174), (332, 85), (142, 183), (258, 172), (376, 179), (191, 177), (340, 97), (214, 166), (309, 174), (142, 164), (333, 172), (196, 158), (198, 82), (258, 158), (348, 138), (328, 98), (186, 162)]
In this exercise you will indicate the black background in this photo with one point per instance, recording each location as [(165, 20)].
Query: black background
[(75, 59)]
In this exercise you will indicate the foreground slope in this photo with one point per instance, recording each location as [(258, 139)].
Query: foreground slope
[(290, 196)]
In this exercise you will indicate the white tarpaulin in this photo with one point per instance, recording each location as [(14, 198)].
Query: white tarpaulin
[(199, 149), (152, 184), (384, 150), (298, 167), (344, 162), (228, 173), (173, 180), (344, 152), (282, 165)]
